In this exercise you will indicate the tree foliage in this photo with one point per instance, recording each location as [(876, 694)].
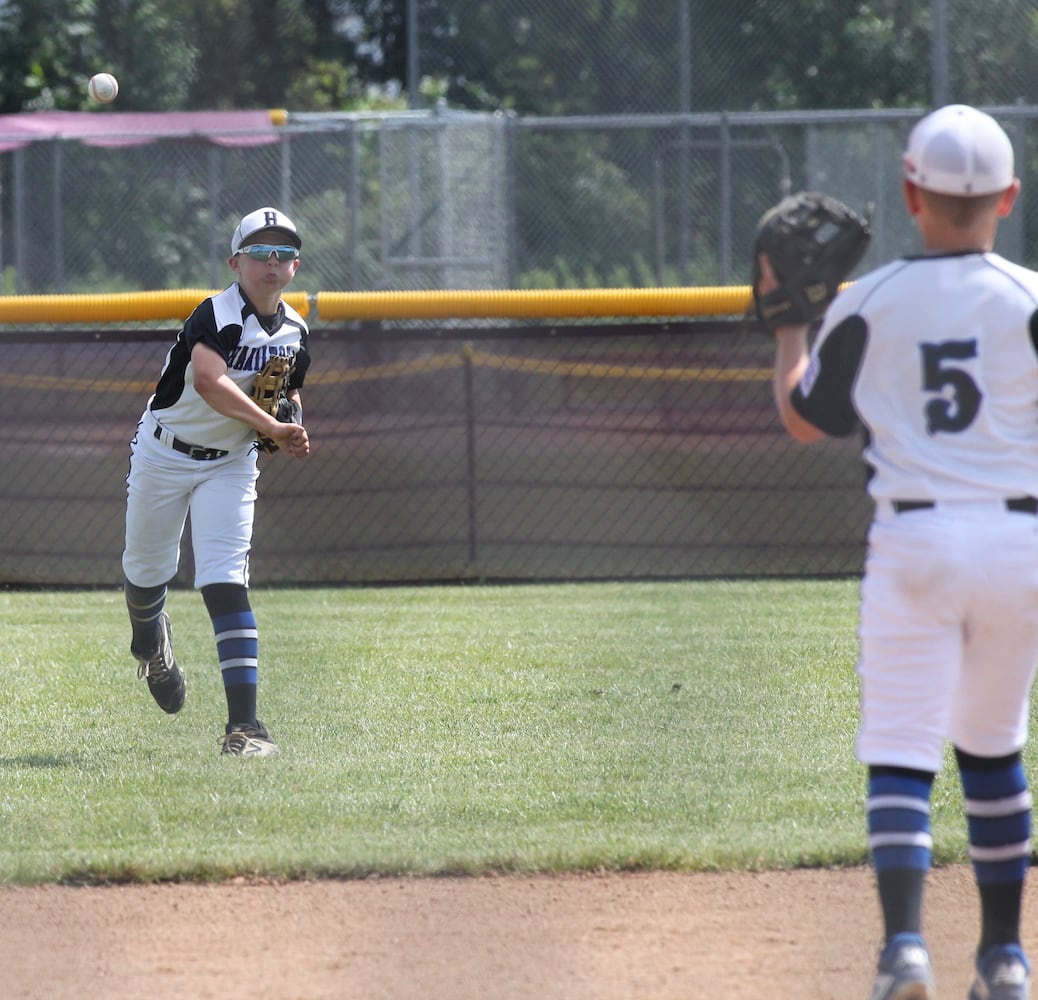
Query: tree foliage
[(532, 56), (182, 54), (536, 58)]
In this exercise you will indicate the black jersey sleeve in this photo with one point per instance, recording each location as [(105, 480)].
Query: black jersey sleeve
[(302, 361), (824, 396), (199, 328), (202, 327)]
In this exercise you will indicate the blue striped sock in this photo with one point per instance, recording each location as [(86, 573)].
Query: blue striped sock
[(899, 821), (900, 844), (998, 819), (237, 647), (998, 815)]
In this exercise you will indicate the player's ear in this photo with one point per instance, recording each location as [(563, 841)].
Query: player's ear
[(1008, 199), (911, 193)]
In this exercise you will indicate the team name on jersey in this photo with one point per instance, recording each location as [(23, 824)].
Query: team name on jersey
[(810, 376), (252, 359)]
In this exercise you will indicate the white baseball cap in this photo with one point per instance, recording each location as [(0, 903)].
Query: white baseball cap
[(265, 218), (959, 150)]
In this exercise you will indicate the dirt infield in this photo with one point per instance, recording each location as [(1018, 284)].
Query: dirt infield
[(804, 934)]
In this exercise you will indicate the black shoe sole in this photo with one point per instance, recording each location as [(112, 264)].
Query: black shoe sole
[(170, 705)]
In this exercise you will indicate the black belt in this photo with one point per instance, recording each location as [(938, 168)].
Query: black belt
[(1021, 505), (192, 450)]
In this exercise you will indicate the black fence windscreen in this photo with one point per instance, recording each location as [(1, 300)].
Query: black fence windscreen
[(456, 453)]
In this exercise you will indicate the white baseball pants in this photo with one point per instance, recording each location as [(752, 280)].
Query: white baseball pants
[(162, 486), (948, 633)]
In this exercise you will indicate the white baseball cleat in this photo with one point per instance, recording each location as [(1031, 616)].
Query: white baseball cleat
[(903, 972), (244, 739)]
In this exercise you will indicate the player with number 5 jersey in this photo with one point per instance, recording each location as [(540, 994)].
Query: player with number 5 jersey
[(946, 393), (934, 359)]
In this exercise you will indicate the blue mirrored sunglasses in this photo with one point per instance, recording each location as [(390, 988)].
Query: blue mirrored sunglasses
[(262, 251)]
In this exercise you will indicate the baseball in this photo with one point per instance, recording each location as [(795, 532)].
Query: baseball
[(103, 88)]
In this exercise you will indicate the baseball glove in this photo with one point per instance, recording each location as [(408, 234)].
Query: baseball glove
[(270, 393), (813, 242)]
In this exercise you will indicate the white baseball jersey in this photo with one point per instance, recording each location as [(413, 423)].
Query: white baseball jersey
[(228, 324), (164, 484), (936, 357)]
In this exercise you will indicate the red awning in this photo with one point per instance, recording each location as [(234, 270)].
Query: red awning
[(134, 128)]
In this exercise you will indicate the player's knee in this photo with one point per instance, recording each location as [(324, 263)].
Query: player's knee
[(225, 598), (971, 762)]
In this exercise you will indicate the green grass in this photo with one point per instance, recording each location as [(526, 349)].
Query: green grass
[(456, 729)]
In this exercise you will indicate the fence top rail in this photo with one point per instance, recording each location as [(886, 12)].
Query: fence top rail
[(718, 119), (236, 128)]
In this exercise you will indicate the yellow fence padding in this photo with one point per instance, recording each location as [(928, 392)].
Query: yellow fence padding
[(588, 303), (115, 307), (528, 304)]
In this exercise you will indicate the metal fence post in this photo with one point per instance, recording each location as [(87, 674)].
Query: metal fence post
[(685, 153), (939, 53), (470, 452), (18, 203), (724, 181), (56, 215), (413, 61), (353, 209), (286, 175), (216, 244), (510, 199)]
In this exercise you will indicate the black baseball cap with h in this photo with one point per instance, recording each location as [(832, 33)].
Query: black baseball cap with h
[(263, 219)]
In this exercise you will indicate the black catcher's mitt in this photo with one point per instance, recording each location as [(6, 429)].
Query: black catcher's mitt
[(270, 393), (813, 243)]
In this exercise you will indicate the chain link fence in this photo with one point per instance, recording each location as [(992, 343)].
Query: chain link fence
[(470, 451), (605, 451), (450, 200)]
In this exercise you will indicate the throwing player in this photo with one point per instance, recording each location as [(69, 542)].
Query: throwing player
[(196, 451), (935, 358)]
